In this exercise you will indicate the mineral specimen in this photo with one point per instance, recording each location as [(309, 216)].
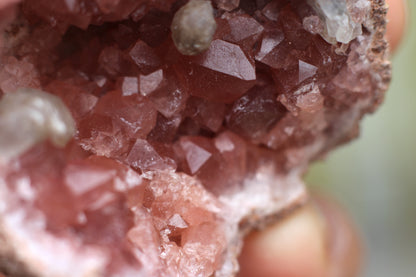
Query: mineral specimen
[(165, 161)]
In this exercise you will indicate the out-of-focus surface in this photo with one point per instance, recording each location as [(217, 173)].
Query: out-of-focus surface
[(375, 176)]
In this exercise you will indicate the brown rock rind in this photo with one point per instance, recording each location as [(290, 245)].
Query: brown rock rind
[(378, 52)]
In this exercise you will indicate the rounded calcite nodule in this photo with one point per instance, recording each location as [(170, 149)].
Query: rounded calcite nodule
[(29, 116), (193, 27), (155, 134)]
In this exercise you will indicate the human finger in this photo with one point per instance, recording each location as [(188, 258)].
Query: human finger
[(318, 240)]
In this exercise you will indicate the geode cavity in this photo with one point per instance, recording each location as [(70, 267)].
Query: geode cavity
[(174, 157)]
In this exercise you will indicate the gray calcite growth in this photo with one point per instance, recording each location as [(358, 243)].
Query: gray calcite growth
[(193, 27), (29, 116)]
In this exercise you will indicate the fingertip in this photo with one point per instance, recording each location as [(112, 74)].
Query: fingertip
[(293, 247), (318, 240), (397, 19)]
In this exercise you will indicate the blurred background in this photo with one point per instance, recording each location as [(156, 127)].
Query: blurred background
[(374, 177)]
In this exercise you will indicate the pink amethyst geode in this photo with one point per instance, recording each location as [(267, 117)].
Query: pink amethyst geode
[(146, 138)]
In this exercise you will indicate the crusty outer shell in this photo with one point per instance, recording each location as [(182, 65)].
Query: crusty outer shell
[(378, 51)]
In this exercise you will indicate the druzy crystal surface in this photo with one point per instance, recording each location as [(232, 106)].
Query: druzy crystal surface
[(174, 158)]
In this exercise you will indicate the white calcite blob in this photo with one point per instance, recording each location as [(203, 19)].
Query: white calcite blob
[(29, 116)]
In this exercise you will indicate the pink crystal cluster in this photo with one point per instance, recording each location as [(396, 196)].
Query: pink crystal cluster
[(132, 219), (164, 141)]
